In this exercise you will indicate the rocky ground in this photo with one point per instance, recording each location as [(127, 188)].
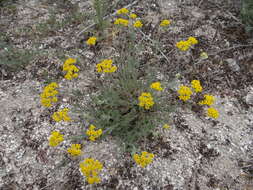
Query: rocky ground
[(197, 153)]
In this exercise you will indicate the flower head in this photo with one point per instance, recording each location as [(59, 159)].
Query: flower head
[(138, 24), (183, 45), (209, 100), (55, 139), (192, 41), (146, 100), (91, 41), (106, 66), (166, 126), (48, 96), (196, 86), (71, 74), (92, 133), (75, 150), (53, 85), (122, 11), (184, 93), (165, 23), (121, 21), (69, 61), (70, 68), (144, 159), (212, 112), (133, 16), (61, 115), (156, 86), (90, 168)]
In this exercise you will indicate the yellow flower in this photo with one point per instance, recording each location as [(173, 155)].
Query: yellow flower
[(183, 45), (165, 23), (106, 66), (184, 93), (94, 179), (75, 150), (138, 24), (192, 41), (71, 75), (53, 85), (54, 99), (61, 115), (209, 100), (133, 16), (144, 159), (122, 11), (91, 41), (156, 86), (55, 139), (90, 169), (212, 112), (70, 68), (92, 133), (47, 97), (166, 126), (121, 21), (196, 86), (46, 102), (146, 100), (69, 61)]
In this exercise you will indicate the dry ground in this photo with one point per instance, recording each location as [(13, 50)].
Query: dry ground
[(196, 154)]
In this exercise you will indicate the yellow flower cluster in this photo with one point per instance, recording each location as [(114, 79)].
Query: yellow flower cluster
[(55, 138), (209, 100), (61, 115), (121, 21), (156, 86), (185, 45), (192, 41), (91, 41), (165, 23), (90, 169), (75, 150), (133, 16), (70, 68), (122, 11), (144, 159), (125, 22), (196, 86), (48, 96), (212, 112), (146, 100), (106, 66), (184, 93), (138, 24), (92, 133)]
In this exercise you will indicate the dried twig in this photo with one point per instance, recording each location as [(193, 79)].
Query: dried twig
[(200, 3), (234, 47), (153, 41)]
